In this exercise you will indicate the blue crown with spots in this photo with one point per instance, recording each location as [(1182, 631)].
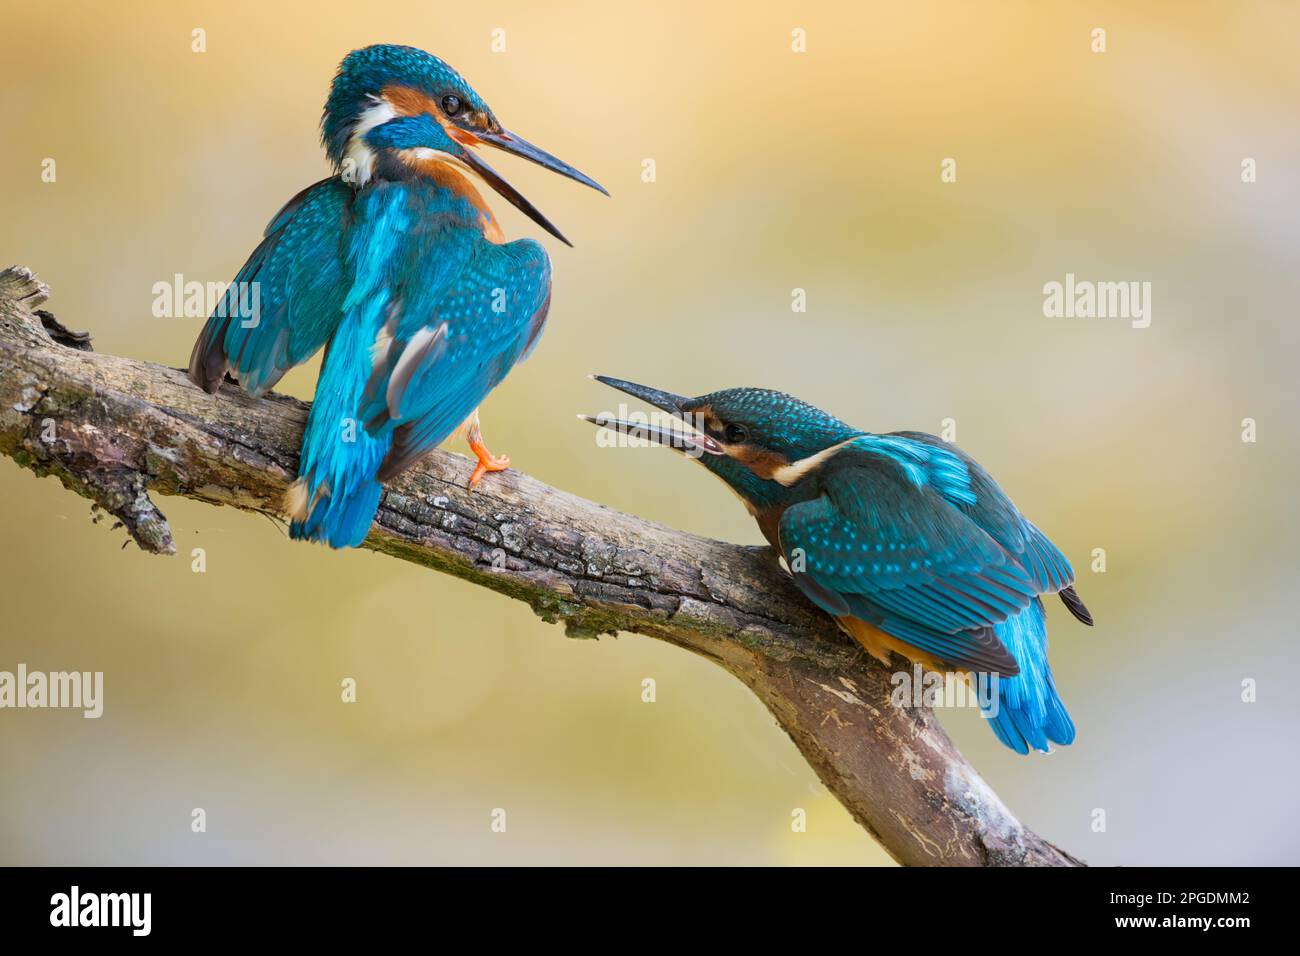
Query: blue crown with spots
[(364, 73), (776, 420)]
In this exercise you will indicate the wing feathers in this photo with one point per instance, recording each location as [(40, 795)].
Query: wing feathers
[(936, 569), (906, 559), (486, 320), (1070, 598), (425, 347), (286, 300)]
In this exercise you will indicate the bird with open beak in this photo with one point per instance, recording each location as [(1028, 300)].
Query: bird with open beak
[(397, 263), (903, 538)]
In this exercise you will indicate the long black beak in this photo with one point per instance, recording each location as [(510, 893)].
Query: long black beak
[(511, 143), (693, 443), (665, 401)]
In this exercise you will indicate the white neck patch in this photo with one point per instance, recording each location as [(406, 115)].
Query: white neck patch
[(796, 470), (358, 163)]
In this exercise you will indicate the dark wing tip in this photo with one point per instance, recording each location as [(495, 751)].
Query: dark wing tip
[(1070, 598), (401, 455), (992, 655), (208, 362)]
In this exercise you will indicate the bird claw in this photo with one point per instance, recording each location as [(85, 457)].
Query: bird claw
[(486, 463)]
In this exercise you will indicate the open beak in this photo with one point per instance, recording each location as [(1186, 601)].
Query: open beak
[(693, 443), (511, 143)]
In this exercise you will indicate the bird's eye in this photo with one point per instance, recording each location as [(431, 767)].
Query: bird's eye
[(451, 104), (736, 434)]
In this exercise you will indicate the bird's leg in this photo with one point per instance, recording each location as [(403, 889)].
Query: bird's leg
[(486, 460)]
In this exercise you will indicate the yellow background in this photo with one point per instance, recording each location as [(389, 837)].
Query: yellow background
[(775, 171)]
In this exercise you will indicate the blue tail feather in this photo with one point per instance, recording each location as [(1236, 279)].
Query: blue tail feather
[(341, 521), (1029, 710), (339, 471)]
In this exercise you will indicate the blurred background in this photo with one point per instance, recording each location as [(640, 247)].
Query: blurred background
[(774, 171)]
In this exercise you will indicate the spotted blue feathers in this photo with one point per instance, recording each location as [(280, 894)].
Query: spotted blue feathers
[(903, 532), (296, 281), (420, 267)]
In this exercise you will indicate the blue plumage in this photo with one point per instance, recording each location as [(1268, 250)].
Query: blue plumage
[(1029, 712), (419, 266), (300, 281), (398, 264), (903, 537)]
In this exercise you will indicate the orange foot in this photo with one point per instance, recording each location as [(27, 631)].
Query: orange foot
[(486, 461)]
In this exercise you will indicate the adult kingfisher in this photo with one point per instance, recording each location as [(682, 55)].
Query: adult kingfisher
[(397, 264), (902, 537)]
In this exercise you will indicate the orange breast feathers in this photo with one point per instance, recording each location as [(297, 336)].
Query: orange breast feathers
[(441, 168), (448, 177), (879, 644)]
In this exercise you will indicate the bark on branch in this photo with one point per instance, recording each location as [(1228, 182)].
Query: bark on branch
[(117, 431)]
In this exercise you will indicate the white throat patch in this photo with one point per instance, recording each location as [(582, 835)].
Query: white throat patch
[(358, 163)]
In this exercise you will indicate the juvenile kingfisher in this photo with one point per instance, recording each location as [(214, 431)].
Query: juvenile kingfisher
[(903, 538), (397, 264)]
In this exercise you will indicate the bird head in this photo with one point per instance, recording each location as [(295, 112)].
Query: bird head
[(395, 112), (761, 442)]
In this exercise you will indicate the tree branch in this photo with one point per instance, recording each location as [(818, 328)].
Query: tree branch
[(115, 431)]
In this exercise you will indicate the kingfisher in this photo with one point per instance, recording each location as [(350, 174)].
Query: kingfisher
[(902, 537), (396, 264)]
